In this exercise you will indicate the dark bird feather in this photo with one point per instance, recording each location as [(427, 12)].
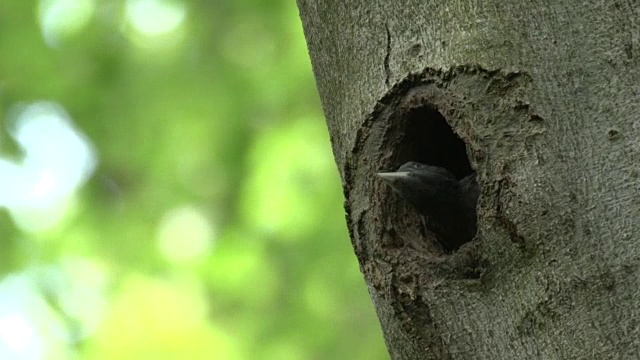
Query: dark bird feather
[(448, 204)]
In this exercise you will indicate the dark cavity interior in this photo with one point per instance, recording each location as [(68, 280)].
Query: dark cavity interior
[(429, 139)]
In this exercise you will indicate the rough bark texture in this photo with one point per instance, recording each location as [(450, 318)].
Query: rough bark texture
[(545, 97)]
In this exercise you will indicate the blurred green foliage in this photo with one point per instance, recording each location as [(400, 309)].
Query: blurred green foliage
[(211, 226)]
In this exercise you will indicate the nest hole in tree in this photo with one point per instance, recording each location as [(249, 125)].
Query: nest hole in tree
[(428, 138)]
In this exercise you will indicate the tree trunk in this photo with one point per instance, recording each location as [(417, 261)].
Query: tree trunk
[(543, 101)]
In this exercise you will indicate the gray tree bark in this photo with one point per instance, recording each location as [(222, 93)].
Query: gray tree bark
[(545, 99)]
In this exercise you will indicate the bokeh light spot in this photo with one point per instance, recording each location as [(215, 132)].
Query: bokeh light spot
[(28, 325), (290, 166), (185, 234), (155, 17), (16, 335), (60, 19), (58, 159)]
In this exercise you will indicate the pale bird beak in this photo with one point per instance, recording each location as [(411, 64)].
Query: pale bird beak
[(392, 177)]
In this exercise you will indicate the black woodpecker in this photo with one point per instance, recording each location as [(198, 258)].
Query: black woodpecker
[(448, 204)]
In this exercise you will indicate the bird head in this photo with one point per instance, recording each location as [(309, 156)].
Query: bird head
[(422, 185)]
